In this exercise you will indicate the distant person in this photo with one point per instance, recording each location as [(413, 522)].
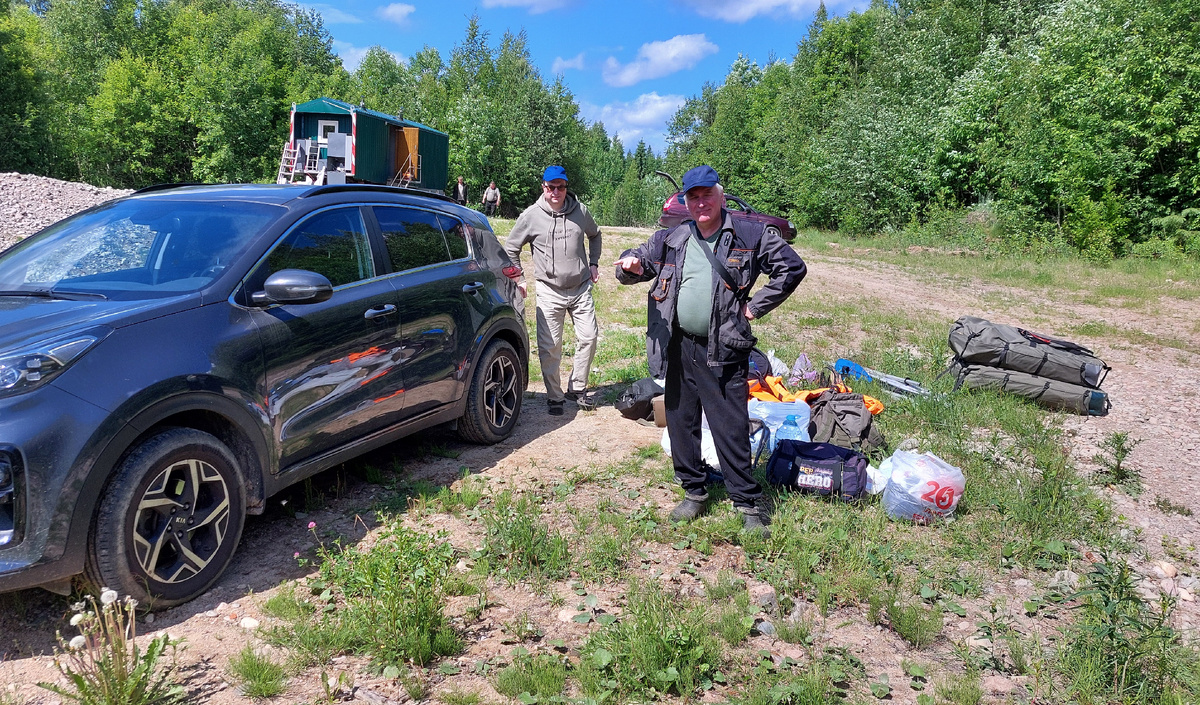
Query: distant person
[(555, 228), (460, 192), (699, 335), (491, 199)]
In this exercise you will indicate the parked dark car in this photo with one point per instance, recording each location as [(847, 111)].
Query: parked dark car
[(675, 212), (170, 360)]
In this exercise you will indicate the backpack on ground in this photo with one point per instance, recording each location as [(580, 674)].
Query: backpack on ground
[(1050, 393), (637, 402), (843, 419), (821, 468), (975, 341)]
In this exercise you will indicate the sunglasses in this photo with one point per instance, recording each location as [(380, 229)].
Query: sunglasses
[(549, 187)]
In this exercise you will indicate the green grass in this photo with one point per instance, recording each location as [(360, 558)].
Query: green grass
[(661, 645), (519, 545), (385, 601), (287, 605), (260, 677), (541, 676)]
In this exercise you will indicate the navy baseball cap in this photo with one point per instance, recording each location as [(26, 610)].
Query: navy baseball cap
[(554, 172), (703, 175)]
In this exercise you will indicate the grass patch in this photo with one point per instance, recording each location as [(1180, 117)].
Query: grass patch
[(287, 605), (518, 545), (661, 645), (1124, 647), (541, 676), (259, 675), (384, 601)]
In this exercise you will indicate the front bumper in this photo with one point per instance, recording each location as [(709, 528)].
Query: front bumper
[(46, 433)]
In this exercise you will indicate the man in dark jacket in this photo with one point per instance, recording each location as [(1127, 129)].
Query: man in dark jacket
[(699, 335), (460, 192)]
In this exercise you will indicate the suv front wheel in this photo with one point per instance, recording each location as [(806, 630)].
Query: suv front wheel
[(169, 520), (494, 398)]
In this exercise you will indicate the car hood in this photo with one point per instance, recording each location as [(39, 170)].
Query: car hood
[(29, 319)]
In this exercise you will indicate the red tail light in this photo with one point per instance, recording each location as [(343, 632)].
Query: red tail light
[(513, 272)]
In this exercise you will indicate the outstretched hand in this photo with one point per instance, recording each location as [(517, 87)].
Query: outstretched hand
[(630, 264)]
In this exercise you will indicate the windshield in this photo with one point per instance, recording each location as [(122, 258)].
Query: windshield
[(135, 249)]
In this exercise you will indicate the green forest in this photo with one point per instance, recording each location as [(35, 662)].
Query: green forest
[(1013, 125)]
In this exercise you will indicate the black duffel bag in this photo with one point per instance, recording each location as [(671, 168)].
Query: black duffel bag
[(637, 402), (821, 468)]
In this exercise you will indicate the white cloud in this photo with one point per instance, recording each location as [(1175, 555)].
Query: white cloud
[(396, 12), (645, 117), (743, 10), (561, 64), (333, 15), (535, 6), (657, 59), (351, 55)]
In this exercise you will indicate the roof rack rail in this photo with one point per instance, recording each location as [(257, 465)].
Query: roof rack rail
[(341, 188), (165, 187)]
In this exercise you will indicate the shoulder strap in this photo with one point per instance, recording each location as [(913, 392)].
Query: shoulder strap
[(716, 264)]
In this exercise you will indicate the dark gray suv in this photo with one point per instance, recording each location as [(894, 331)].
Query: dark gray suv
[(170, 360)]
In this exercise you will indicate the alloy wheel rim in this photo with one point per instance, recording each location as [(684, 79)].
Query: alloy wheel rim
[(182, 521), (500, 393)]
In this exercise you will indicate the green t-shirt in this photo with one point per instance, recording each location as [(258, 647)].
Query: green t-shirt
[(693, 306)]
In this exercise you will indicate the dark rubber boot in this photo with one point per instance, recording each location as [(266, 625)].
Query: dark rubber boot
[(691, 508), (756, 522)]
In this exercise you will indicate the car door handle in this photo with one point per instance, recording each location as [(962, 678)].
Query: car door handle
[(384, 310), (472, 287)]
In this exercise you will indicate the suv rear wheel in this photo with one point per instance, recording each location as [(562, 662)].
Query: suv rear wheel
[(169, 520), (494, 399)]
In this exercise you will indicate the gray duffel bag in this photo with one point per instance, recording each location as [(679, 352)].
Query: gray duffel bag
[(1053, 394), (975, 341)]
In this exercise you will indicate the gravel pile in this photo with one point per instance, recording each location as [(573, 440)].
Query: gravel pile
[(29, 203)]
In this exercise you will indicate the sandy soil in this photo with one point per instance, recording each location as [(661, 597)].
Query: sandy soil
[(1149, 386)]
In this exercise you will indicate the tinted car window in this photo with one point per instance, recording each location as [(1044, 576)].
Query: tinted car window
[(413, 237), (333, 243), (136, 249), (456, 236)]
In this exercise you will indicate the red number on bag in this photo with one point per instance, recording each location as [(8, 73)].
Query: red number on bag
[(940, 497)]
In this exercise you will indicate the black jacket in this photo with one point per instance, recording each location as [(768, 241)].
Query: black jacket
[(746, 250)]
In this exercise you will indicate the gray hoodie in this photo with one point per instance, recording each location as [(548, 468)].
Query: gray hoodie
[(556, 239)]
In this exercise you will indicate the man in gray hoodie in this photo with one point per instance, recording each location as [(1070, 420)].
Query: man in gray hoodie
[(555, 227)]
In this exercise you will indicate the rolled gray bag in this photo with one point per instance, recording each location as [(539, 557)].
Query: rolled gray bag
[(976, 341), (1049, 393)]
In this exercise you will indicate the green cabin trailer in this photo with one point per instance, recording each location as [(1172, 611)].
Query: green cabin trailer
[(333, 141)]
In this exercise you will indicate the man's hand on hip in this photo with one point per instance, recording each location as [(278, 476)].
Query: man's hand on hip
[(746, 312), (630, 264)]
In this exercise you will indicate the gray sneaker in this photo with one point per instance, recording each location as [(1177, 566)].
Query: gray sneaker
[(690, 509)]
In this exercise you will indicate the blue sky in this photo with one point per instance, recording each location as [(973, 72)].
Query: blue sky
[(630, 63)]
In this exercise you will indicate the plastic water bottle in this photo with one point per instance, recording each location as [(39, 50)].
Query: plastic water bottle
[(789, 430)]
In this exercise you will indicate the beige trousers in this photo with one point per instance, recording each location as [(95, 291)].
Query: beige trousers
[(552, 310)]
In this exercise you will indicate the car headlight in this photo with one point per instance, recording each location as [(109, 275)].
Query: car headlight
[(25, 369)]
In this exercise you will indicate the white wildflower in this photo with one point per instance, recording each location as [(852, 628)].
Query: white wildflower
[(78, 607), (78, 642), (75, 620), (108, 597)]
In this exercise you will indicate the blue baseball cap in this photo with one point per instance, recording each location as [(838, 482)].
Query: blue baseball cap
[(554, 172), (703, 175)]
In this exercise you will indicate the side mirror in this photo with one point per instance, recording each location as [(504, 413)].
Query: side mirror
[(293, 286)]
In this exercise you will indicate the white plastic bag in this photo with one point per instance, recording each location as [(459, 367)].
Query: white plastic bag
[(708, 448), (922, 487)]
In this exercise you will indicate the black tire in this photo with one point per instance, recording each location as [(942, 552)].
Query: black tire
[(495, 395), (179, 477), (772, 229)]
